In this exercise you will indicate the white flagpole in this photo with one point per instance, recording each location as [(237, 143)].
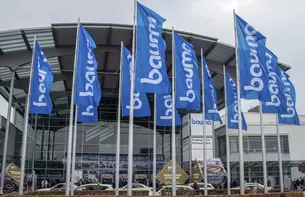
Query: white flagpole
[(74, 151), (279, 154), (130, 137), (240, 134), (190, 158), (155, 147), (227, 134), (204, 131), (67, 191), (26, 123), (173, 118), (263, 147), (118, 134), (34, 151), (7, 129)]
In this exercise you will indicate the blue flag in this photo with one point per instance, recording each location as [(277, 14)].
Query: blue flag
[(276, 103), (141, 104), (290, 116), (42, 79), (232, 105), (87, 114), (88, 89), (150, 71), (251, 55), (210, 97), (187, 79), (164, 111)]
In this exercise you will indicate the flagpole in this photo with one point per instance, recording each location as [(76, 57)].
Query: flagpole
[(240, 134), (190, 157), (130, 137), (67, 191), (7, 129), (118, 134), (263, 147), (26, 123), (203, 131), (227, 134), (279, 154), (155, 147), (173, 118), (74, 151), (34, 151)]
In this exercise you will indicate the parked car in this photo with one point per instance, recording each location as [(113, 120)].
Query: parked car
[(57, 187), (201, 186), (180, 190), (253, 186), (139, 187), (95, 186)]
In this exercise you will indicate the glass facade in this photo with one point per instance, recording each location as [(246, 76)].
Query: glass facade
[(95, 148), (252, 144)]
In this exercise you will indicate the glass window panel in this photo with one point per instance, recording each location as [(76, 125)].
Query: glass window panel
[(271, 143), (255, 144)]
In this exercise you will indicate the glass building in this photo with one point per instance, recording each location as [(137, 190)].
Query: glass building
[(47, 137)]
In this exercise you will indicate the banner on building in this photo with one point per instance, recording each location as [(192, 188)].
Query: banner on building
[(216, 170)]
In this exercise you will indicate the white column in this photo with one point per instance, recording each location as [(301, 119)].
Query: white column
[(227, 134), (205, 173), (173, 117), (74, 151), (118, 134), (263, 147), (26, 123), (130, 137), (69, 149), (240, 134), (155, 147), (279, 154)]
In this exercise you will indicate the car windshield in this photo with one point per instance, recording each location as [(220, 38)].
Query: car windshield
[(60, 186), (134, 185), (201, 185)]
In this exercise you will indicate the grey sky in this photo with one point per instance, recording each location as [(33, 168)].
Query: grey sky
[(281, 21)]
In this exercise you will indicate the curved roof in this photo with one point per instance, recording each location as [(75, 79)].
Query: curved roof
[(58, 42)]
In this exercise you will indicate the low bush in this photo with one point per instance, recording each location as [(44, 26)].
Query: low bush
[(212, 193), (83, 193)]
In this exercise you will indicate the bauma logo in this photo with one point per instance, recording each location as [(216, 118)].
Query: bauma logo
[(208, 122)]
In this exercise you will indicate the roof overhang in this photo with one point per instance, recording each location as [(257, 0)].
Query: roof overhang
[(58, 43)]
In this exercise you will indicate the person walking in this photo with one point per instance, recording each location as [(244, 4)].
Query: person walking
[(294, 184), (196, 187)]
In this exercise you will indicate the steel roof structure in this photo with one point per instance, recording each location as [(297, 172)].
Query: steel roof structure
[(58, 43)]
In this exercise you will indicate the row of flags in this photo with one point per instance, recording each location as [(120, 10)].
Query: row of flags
[(150, 76), (260, 77)]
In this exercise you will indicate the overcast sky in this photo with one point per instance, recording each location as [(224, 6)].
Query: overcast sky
[(281, 21)]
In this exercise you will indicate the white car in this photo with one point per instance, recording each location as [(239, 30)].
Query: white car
[(138, 187), (95, 186), (57, 187), (167, 190), (201, 186), (253, 186)]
